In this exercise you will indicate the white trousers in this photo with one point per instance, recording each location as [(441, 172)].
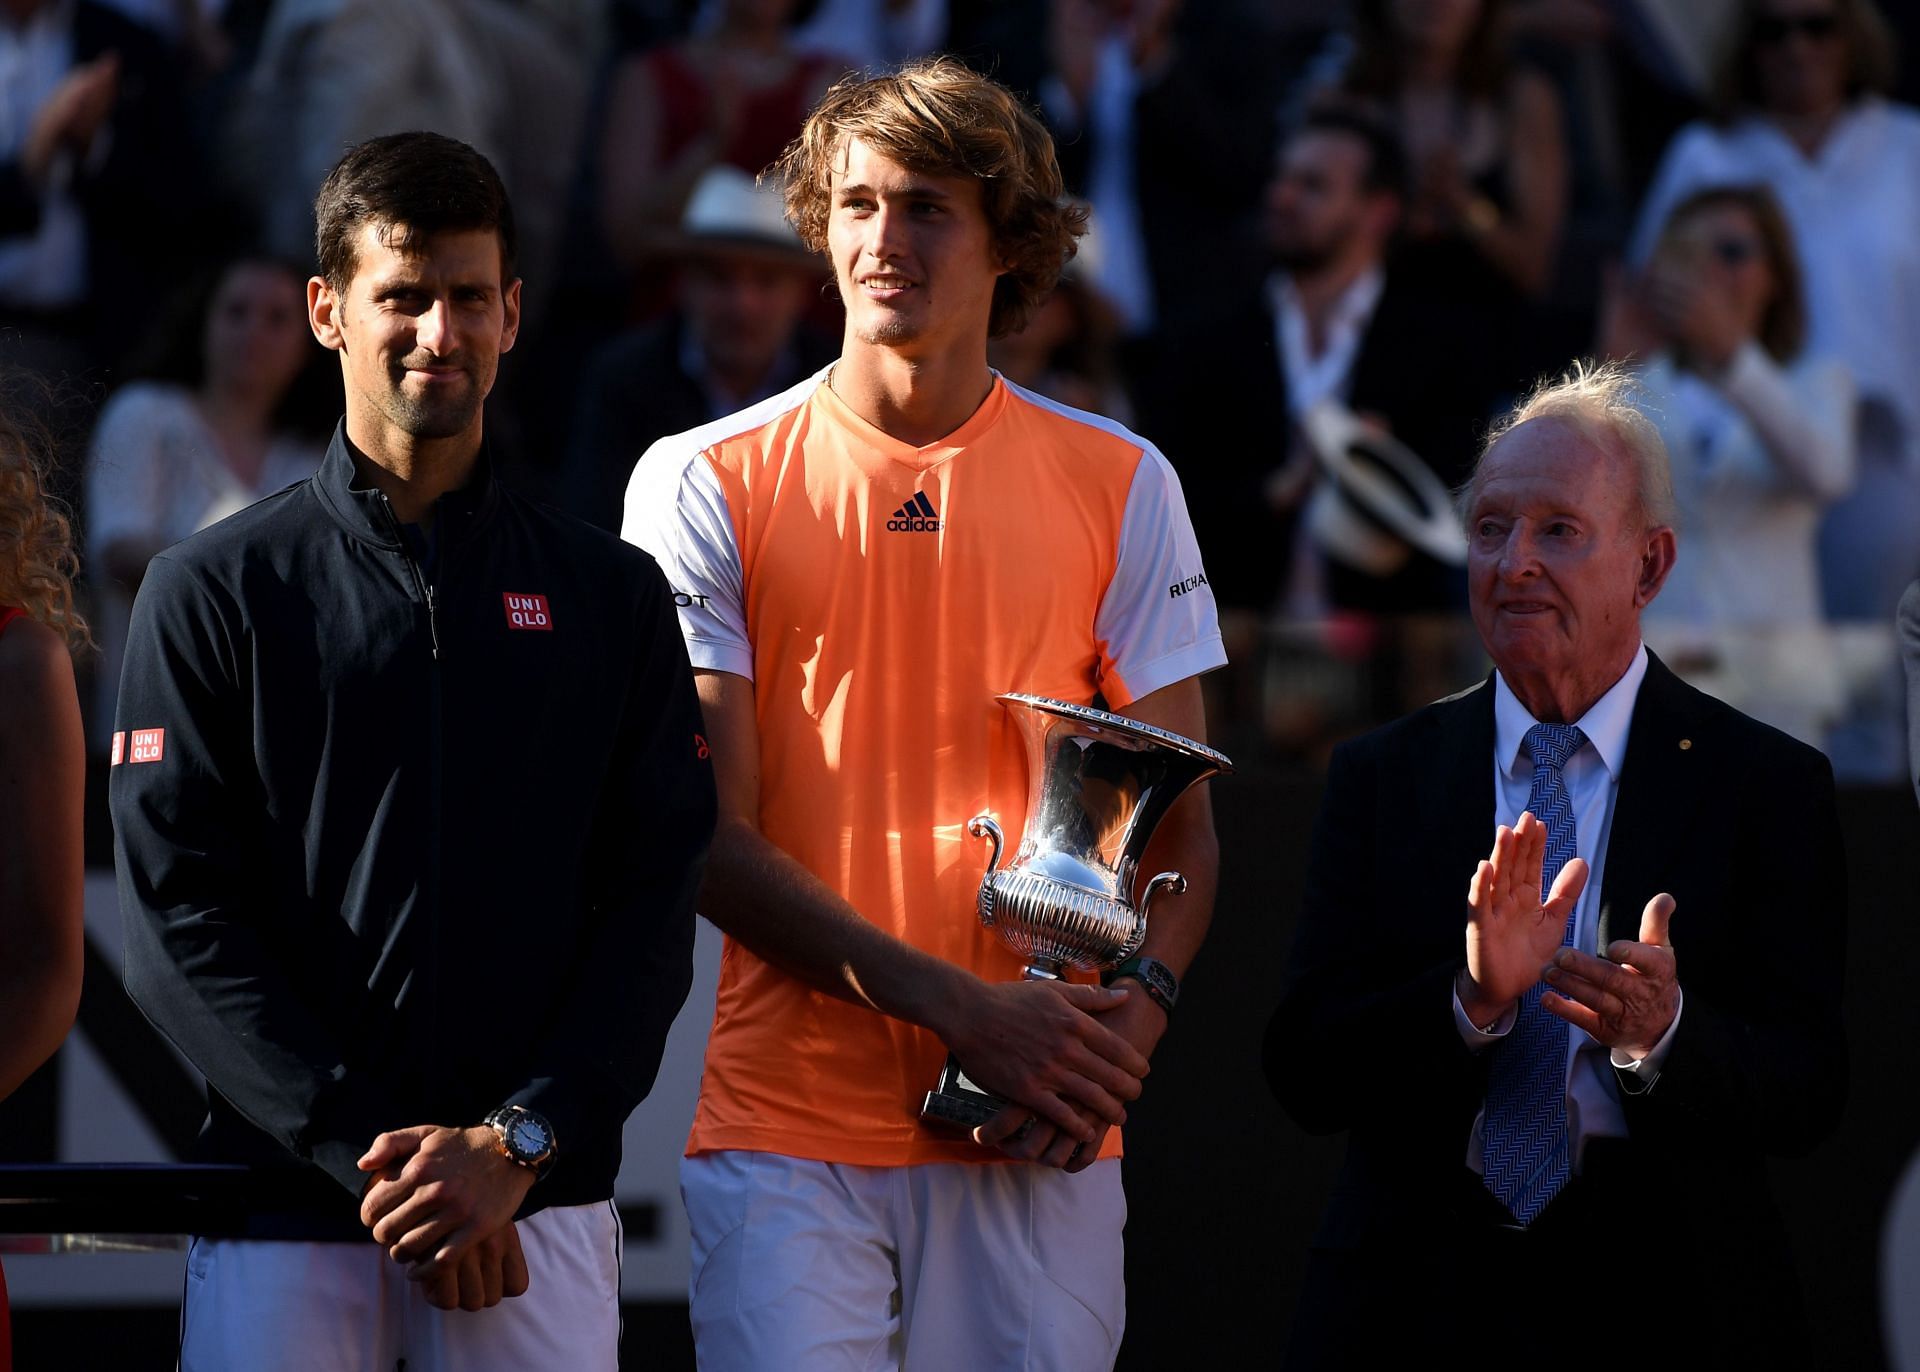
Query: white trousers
[(802, 1266), (256, 1305)]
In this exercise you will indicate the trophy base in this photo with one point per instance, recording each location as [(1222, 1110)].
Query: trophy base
[(958, 1102)]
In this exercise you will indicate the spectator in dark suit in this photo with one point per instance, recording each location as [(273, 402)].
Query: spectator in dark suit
[(736, 336), (1334, 322)]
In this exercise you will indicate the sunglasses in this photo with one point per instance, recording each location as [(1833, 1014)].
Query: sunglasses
[(1775, 28), (1734, 252)]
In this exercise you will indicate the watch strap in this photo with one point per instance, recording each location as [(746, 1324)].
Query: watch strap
[(1155, 978)]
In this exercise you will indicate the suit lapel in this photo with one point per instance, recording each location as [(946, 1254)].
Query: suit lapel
[(1660, 787), (1462, 808)]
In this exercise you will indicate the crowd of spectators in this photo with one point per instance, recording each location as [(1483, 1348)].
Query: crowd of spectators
[(1330, 240)]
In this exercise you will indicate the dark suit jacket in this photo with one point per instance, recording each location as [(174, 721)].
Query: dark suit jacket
[(1216, 404), (1737, 821), (1909, 622), (636, 389)]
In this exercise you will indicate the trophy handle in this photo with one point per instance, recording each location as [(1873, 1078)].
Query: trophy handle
[(1164, 881), (982, 826)]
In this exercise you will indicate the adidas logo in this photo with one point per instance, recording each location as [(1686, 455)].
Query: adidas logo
[(917, 516)]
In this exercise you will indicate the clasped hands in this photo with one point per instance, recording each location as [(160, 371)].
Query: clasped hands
[(1069, 1057), (1626, 1000), (441, 1201)]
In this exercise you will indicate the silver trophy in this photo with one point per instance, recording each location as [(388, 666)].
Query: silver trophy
[(1098, 786)]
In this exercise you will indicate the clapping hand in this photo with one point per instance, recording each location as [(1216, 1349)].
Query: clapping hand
[(1627, 999), (1511, 932)]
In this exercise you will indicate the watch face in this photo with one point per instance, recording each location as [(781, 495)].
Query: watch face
[(528, 1137)]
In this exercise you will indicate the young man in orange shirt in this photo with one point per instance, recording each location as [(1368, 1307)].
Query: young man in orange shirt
[(862, 564)]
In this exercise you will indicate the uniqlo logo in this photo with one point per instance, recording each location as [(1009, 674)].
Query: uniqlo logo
[(527, 611), (147, 745), (119, 747)]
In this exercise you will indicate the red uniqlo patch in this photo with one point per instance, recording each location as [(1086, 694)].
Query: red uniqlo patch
[(147, 745), (527, 611), (119, 747)]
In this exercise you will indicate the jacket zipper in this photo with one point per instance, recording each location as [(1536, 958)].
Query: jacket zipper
[(436, 757)]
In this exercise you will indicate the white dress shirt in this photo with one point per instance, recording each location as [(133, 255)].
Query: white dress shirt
[(1592, 779), (1327, 374)]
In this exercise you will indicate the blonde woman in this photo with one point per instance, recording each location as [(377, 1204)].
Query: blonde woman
[(41, 767)]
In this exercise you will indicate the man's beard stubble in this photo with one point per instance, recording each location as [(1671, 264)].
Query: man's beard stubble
[(445, 417)]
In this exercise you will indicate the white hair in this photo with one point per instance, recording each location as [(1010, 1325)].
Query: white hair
[(1600, 400)]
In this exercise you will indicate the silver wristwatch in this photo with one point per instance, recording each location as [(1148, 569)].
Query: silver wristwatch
[(525, 1137)]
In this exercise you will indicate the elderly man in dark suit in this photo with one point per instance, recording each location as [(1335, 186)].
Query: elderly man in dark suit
[(1569, 961)]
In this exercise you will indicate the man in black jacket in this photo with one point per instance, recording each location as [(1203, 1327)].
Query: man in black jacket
[(411, 797)]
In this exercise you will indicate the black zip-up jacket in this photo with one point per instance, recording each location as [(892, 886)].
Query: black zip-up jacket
[(401, 843)]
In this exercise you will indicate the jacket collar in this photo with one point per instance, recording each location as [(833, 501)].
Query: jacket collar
[(364, 512)]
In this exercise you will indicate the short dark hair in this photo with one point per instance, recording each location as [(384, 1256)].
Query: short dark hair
[(424, 183), (1386, 157)]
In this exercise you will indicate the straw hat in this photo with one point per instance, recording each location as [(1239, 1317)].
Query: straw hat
[(729, 212)]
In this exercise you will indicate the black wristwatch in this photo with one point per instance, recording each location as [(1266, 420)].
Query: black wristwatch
[(525, 1137), (1155, 978)]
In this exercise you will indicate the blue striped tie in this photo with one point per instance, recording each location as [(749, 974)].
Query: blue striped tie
[(1524, 1131)]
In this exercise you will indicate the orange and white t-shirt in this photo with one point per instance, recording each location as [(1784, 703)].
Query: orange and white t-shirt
[(880, 596)]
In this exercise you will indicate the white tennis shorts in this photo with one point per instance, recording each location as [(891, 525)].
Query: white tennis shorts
[(264, 1306), (817, 1266)]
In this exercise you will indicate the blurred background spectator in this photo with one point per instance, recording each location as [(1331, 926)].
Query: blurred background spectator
[(98, 180), (509, 77), (732, 95), (1760, 433), (1487, 183), (1800, 108), (1067, 351), (231, 400), (734, 336), (1338, 320), (1164, 113)]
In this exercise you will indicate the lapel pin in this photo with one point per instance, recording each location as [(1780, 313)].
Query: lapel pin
[(1685, 744)]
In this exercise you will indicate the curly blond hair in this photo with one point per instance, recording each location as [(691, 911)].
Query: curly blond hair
[(37, 560), (938, 116)]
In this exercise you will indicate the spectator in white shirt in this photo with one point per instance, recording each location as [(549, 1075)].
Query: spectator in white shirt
[(1760, 432), (227, 412), (1801, 113)]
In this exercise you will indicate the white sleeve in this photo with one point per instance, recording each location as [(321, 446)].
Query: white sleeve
[(677, 512), (1805, 419), (1646, 1068), (124, 473), (1473, 1035), (1157, 623)]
